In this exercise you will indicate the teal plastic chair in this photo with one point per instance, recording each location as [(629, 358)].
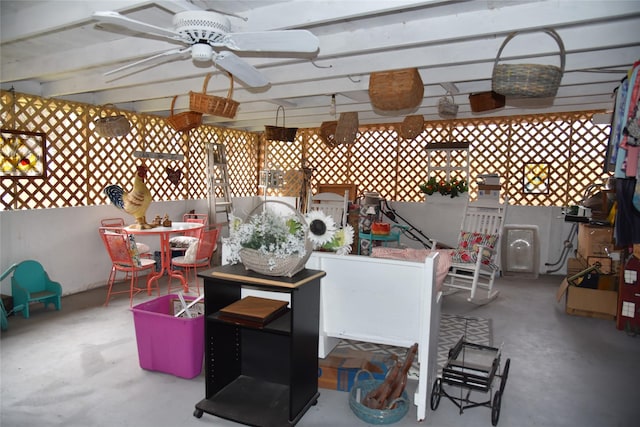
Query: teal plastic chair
[(30, 283)]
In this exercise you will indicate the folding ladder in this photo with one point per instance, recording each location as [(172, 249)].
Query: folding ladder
[(219, 195)]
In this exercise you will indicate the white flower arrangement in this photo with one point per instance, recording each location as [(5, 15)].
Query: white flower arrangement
[(270, 233), (276, 235)]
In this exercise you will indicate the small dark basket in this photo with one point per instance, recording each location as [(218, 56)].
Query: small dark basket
[(280, 133), (376, 416)]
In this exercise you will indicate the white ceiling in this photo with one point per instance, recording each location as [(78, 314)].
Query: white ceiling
[(54, 49)]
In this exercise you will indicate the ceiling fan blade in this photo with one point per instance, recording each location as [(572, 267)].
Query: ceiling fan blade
[(117, 19), (294, 41), (240, 69), (161, 57)]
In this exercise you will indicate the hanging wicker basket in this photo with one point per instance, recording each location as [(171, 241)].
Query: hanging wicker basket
[(328, 133), (347, 128), (271, 265), (183, 122), (447, 108), (412, 126), (211, 104), (280, 133), (485, 101), (112, 125), (396, 90), (528, 80)]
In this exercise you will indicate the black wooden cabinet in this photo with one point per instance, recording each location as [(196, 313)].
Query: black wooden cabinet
[(261, 376)]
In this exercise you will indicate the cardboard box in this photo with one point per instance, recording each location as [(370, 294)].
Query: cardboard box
[(338, 370), (594, 240), (575, 266), (588, 302), (488, 192)]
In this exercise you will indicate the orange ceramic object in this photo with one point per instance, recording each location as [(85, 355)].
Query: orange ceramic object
[(380, 228)]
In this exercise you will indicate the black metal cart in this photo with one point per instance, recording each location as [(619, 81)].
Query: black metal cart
[(472, 367)]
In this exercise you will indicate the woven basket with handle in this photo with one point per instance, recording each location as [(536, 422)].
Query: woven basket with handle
[(528, 80), (280, 133), (447, 107), (184, 121), (112, 125), (271, 265), (211, 104)]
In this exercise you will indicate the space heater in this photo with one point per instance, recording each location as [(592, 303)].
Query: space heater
[(520, 250)]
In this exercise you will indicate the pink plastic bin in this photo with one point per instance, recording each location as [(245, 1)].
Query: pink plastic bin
[(174, 345)]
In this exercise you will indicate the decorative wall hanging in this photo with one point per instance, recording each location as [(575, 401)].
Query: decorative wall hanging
[(174, 175), (23, 154), (280, 133), (112, 125), (328, 133), (528, 80), (185, 121), (536, 178), (211, 104), (412, 126), (347, 128), (396, 90), (486, 101)]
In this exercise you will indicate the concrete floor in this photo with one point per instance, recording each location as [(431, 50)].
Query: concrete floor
[(79, 367)]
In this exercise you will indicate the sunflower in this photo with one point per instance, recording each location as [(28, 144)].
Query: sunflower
[(342, 241), (322, 228)]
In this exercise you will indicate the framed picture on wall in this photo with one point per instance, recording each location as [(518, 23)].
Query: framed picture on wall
[(536, 178), (23, 154)]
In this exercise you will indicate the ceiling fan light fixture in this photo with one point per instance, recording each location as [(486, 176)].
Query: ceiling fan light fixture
[(201, 52)]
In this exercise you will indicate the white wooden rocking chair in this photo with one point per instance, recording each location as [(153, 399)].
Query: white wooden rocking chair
[(476, 260), (332, 204)]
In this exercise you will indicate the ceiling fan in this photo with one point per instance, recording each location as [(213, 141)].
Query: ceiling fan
[(208, 37)]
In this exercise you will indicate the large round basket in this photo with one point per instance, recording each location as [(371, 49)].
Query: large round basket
[(112, 125), (376, 416), (528, 80), (270, 264)]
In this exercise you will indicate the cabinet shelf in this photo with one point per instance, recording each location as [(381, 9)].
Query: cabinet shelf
[(260, 375), (281, 324), (251, 401)]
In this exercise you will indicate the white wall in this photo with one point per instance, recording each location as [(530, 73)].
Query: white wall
[(439, 218), (66, 240)]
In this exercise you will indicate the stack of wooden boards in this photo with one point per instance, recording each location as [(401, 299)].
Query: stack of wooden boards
[(253, 311)]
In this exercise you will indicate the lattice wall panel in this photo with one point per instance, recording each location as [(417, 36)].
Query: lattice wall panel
[(242, 158), (81, 163), (281, 155), (330, 165)]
